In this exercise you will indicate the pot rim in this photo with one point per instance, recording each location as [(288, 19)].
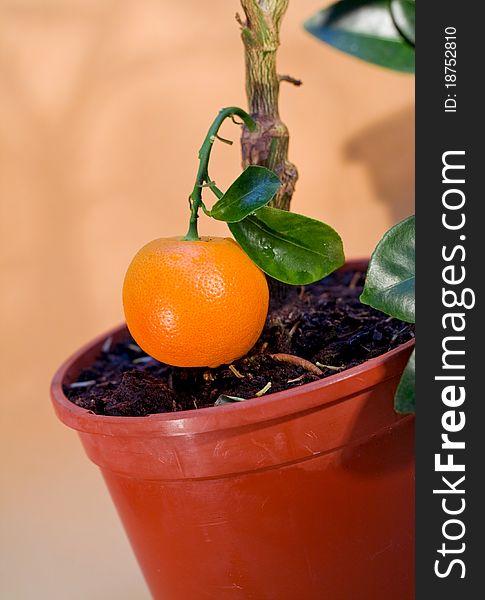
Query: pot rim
[(270, 407), (278, 405)]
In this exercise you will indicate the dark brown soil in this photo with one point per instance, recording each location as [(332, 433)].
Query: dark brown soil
[(323, 323)]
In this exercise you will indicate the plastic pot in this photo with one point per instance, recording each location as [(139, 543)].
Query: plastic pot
[(306, 493)]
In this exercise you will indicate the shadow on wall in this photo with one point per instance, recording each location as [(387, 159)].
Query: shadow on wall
[(386, 150)]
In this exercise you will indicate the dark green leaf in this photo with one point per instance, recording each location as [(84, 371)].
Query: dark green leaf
[(405, 399), (224, 399), (366, 29), (404, 14), (254, 188), (390, 279), (289, 247)]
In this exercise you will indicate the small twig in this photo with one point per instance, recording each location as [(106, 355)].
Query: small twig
[(355, 279), (263, 391), (170, 380), (81, 384), (134, 347), (297, 379), (104, 384), (142, 359), (293, 329), (331, 367), (298, 362), (235, 372), (106, 347), (397, 334), (290, 79)]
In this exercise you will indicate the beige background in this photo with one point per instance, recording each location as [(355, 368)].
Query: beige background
[(103, 104)]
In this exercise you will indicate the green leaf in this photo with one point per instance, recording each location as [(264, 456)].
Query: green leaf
[(289, 247), (366, 29), (390, 280), (225, 399), (254, 188), (404, 15), (405, 398)]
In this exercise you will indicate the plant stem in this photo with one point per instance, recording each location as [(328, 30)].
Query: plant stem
[(203, 178), (268, 145)]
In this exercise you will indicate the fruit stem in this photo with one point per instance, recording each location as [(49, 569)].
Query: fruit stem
[(203, 179)]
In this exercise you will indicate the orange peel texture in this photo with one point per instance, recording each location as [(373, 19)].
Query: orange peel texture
[(195, 303)]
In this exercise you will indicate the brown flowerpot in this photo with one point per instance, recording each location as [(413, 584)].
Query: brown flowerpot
[(307, 493)]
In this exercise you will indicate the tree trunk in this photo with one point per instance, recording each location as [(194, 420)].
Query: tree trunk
[(268, 145)]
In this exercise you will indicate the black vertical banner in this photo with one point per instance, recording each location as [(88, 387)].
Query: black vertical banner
[(450, 175)]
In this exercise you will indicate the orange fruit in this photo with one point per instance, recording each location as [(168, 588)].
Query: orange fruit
[(195, 303)]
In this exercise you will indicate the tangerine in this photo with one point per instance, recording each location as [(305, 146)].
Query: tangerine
[(198, 303)]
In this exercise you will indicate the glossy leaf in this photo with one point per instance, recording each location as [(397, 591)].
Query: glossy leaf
[(366, 29), (404, 14), (254, 188), (289, 247), (405, 399), (390, 279)]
